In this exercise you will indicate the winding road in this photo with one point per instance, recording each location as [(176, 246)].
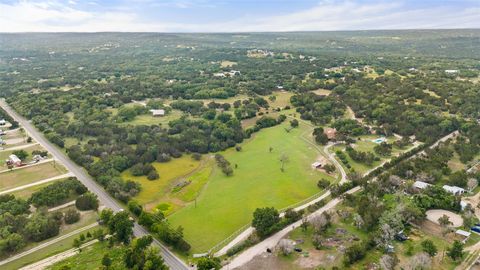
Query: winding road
[(170, 259)]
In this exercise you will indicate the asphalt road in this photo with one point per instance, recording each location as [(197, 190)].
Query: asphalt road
[(170, 259)]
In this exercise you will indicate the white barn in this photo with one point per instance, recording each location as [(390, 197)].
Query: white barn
[(454, 189)]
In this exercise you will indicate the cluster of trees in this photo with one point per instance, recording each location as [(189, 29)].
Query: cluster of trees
[(224, 164), (4, 115), (319, 109), (20, 227), (467, 149), (157, 224), (267, 220), (87, 201), (360, 156), (383, 149), (320, 136), (145, 169), (57, 193)]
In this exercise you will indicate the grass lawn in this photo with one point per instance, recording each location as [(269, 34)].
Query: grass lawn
[(227, 203), (455, 164), (46, 252), (91, 258), (26, 193), (157, 191), (29, 175), (282, 99), (414, 246), (321, 91)]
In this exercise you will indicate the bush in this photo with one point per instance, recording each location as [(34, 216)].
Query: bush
[(323, 183), (87, 201), (71, 216), (152, 175)]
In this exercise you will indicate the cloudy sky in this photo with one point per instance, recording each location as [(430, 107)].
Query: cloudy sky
[(234, 15)]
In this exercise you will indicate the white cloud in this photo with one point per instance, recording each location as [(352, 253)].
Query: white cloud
[(54, 16)]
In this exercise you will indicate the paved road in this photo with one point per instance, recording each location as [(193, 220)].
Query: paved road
[(46, 244), (170, 259)]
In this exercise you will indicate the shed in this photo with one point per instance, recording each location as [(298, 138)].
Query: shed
[(160, 112), (316, 165), (454, 189), (421, 185)]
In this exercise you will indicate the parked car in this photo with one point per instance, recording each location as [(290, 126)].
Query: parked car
[(476, 229)]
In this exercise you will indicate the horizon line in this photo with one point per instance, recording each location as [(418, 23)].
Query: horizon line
[(234, 32)]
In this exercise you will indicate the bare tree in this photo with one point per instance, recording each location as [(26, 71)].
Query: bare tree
[(472, 183), (284, 159), (358, 221), (420, 261), (320, 222), (387, 262), (285, 246), (386, 235)]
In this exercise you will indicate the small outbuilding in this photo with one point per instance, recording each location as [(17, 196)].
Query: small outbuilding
[(454, 189), (157, 113), (316, 165), (3, 122), (421, 185)]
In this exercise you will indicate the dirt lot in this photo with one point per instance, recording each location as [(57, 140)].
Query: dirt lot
[(434, 215)]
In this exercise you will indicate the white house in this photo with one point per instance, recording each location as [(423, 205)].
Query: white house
[(160, 112), (14, 160), (451, 71), (454, 189), (219, 74), (421, 185)]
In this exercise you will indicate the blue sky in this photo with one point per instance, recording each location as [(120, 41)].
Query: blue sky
[(234, 16)]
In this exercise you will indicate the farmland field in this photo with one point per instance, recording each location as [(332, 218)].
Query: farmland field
[(227, 203)]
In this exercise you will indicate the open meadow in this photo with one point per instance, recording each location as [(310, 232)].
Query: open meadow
[(227, 202)]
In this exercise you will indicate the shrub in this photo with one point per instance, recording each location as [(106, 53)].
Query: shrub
[(71, 216)]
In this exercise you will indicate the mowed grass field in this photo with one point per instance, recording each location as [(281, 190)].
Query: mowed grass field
[(227, 203), (157, 191), (29, 175)]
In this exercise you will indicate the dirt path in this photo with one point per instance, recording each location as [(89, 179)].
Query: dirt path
[(19, 147), (40, 265), (46, 244), (37, 183)]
